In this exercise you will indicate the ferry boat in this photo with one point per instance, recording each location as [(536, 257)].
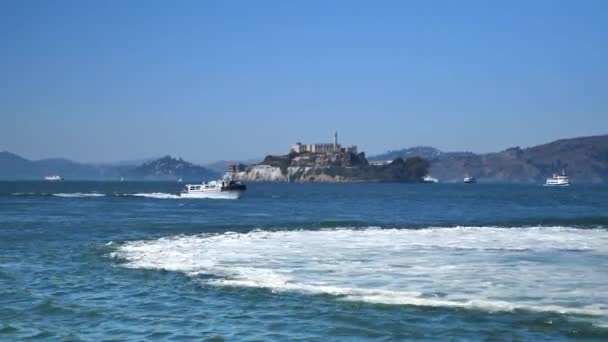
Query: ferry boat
[(558, 180), (53, 178), (469, 180), (429, 179), (223, 188)]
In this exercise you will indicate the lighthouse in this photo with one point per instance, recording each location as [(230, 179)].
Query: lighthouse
[(336, 140)]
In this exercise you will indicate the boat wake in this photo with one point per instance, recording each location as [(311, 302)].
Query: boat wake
[(163, 195), (27, 194), (547, 269), (79, 194), (158, 195), (155, 195)]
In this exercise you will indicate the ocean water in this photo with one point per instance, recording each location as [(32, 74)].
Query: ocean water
[(309, 262)]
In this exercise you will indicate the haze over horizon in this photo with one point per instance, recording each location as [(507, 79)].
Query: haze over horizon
[(103, 82)]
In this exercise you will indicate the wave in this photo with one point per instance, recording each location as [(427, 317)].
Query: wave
[(553, 269), (408, 298), (79, 194), (163, 195), (575, 222), (60, 194), (28, 194), (158, 195)]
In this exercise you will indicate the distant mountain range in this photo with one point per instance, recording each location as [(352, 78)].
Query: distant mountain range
[(13, 167), (168, 168), (585, 159), (425, 152)]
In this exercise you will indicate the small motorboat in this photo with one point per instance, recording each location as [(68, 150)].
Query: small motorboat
[(224, 188), (469, 180), (558, 180)]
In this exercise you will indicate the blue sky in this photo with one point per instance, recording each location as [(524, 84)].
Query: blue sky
[(116, 80)]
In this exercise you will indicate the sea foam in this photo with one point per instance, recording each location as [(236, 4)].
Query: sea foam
[(555, 269), (163, 195), (79, 194), (159, 195)]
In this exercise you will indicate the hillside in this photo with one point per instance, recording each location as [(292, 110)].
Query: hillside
[(15, 167), (585, 159), (424, 152), (169, 168)]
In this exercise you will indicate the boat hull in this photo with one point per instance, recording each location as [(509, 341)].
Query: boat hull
[(232, 194)]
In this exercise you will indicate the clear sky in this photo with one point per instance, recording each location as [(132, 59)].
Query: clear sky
[(208, 80)]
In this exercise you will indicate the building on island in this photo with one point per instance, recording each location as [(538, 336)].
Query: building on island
[(235, 168), (323, 147), (325, 154)]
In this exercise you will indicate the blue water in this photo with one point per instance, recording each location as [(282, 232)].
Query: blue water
[(129, 261)]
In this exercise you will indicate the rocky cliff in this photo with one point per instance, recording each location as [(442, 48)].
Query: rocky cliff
[(299, 168), (266, 173)]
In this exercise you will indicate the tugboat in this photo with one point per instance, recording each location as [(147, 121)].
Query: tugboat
[(469, 180), (53, 178), (223, 188), (558, 180)]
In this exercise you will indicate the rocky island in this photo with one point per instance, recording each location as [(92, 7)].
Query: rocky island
[(330, 162)]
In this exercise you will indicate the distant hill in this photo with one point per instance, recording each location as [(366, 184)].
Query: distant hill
[(169, 168), (134, 162), (585, 159), (221, 166), (13, 166), (424, 152)]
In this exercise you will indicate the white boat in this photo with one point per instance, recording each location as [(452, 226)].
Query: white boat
[(469, 180), (53, 178), (558, 180), (429, 179), (224, 188), (180, 180)]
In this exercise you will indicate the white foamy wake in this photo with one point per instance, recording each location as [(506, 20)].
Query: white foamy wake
[(163, 195), (159, 195), (79, 194), (555, 269)]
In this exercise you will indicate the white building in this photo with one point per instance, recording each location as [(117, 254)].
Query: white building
[(323, 147)]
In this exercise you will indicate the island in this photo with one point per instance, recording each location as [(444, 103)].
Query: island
[(330, 162)]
